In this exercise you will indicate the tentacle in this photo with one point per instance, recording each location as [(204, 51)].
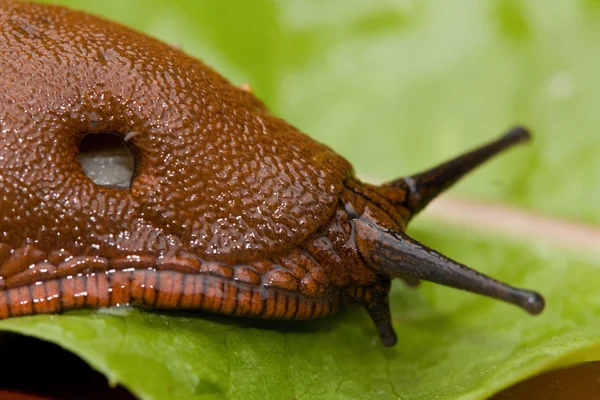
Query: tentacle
[(397, 254), (423, 187), (377, 304)]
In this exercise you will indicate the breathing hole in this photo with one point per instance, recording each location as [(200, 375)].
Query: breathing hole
[(107, 160)]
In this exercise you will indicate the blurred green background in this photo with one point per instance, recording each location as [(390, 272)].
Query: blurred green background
[(395, 87)]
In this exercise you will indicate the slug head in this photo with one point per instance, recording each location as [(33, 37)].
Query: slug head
[(395, 254)]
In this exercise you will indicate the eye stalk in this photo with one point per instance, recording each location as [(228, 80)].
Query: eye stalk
[(396, 255), (425, 186)]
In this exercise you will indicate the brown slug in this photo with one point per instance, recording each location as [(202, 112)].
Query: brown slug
[(229, 210)]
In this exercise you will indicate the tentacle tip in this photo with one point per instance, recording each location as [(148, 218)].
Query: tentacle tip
[(534, 303), (388, 338), (518, 134)]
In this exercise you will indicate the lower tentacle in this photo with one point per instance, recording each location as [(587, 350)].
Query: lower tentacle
[(375, 300)]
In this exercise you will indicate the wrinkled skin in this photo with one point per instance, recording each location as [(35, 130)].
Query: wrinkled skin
[(230, 209), (217, 175)]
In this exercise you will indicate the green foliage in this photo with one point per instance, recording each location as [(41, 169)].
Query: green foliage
[(395, 87)]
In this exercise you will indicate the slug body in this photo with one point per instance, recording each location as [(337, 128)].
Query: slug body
[(229, 210)]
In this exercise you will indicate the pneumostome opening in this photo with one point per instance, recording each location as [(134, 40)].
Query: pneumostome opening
[(107, 160)]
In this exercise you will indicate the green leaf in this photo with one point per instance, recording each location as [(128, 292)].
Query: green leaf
[(395, 87)]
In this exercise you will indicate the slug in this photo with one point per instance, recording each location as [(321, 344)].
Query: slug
[(229, 209)]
